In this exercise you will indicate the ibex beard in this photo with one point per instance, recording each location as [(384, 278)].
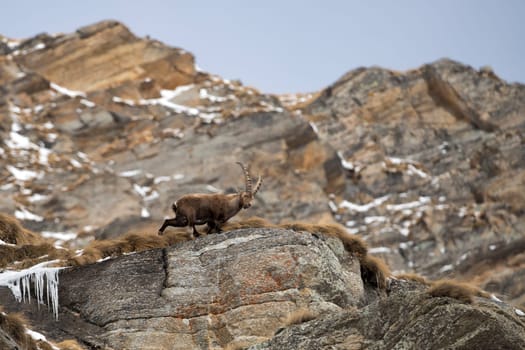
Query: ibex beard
[(211, 209)]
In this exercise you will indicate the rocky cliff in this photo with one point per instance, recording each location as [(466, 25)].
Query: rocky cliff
[(102, 130)]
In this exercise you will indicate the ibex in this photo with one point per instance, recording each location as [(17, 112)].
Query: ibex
[(211, 209)]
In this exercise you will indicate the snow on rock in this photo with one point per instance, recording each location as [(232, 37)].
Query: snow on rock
[(361, 208), (43, 279), (66, 91), (379, 250), (60, 236), (144, 213), (130, 173), (165, 101), (23, 174), (161, 179), (24, 214)]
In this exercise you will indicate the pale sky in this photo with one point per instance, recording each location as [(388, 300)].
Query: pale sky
[(301, 46)]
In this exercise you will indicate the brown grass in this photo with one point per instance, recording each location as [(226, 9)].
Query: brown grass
[(30, 253), (375, 271), (237, 345), (42, 345), (462, 291), (12, 232), (131, 242), (253, 222), (14, 324), (69, 344), (413, 277), (299, 316), (352, 243)]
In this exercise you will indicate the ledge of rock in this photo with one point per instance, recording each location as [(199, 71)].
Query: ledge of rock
[(240, 288), (205, 293)]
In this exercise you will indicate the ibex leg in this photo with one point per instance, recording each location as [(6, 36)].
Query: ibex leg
[(211, 226), (195, 232), (175, 222)]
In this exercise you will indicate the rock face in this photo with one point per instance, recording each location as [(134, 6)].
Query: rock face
[(434, 169), (406, 319), (233, 287), (102, 130), (236, 289)]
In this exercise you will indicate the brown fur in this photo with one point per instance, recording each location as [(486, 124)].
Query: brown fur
[(462, 291), (14, 324), (375, 271), (413, 277), (211, 209), (299, 316)]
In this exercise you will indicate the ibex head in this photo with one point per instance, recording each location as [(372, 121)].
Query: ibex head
[(246, 196)]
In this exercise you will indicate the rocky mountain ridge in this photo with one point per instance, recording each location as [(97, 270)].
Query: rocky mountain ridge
[(102, 130)]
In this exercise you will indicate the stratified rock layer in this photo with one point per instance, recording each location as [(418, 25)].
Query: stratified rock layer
[(205, 293)]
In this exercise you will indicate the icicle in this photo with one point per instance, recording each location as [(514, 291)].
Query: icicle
[(44, 279)]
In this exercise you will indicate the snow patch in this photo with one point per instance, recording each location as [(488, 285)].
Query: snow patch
[(142, 190), (23, 174), (379, 250), (24, 214), (123, 100), (409, 205), (446, 268), (213, 189), (66, 91), (130, 173), (161, 179), (60, 236), (362, 208), (177, 177), (87, 103)]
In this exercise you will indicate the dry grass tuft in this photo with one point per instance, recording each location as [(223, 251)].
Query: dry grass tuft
[(131, 242), (42, 345), (299, 226), (253, 222), (176, 236), (69, 344), (237, 345), (12, 232), (139, 242), (14, 324), (352, 243), (461, 291), (299, 316), (413, 277), (374, 271), (88, 256), (30, 254)]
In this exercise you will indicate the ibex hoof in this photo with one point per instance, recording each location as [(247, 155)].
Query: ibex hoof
[(160, 233)]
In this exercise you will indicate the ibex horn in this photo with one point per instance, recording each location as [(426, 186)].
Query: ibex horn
[(257, 185), (247, 177)]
